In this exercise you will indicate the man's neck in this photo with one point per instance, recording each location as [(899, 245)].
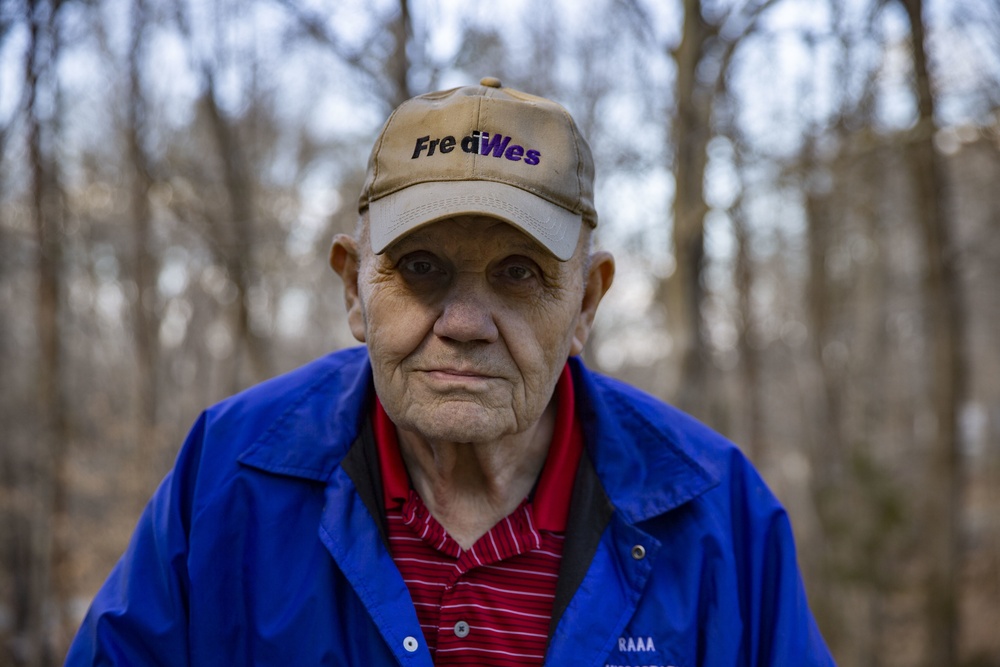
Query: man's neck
[(469, 487)]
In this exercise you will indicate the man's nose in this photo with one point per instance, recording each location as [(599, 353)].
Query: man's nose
[(466, 312)]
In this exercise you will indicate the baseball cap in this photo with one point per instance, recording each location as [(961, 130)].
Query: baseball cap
[(481, 150)]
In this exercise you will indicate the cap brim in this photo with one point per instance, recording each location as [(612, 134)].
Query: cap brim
[(392, 216)]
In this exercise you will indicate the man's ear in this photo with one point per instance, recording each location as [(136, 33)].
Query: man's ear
[(345, 259), (599, 279)]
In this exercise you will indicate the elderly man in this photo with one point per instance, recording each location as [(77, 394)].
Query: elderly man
[(461, 490)]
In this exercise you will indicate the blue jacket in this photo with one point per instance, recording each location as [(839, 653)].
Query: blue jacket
[(265, 545)]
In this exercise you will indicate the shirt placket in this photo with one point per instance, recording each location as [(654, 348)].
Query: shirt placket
[(462, 612)]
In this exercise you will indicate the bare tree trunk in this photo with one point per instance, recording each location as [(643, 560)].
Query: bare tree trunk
[(46, 581), (752, 437), (945, 321), (399, 62), (683, 288), (233, 238), (145, 266), (750, 403), (829, 444), (237, 245), (824, 431), (750, 362)]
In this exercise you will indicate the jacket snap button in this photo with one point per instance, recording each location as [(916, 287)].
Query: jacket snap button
[(638, 552), (461, 629), (410, 644)]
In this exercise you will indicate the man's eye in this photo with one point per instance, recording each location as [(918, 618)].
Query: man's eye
[(420, 263), (518, 272), (517, 269), (420, 267)]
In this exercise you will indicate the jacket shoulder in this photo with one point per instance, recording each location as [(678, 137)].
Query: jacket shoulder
[(666, 425), (653, 457), (299, 423)]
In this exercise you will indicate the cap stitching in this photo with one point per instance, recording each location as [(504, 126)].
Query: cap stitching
[(500, 178)]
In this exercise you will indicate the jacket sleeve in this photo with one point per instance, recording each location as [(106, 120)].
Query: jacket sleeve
[(140, 614), (779, 629)]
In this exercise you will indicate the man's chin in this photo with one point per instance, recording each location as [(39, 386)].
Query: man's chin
[(459, 422)]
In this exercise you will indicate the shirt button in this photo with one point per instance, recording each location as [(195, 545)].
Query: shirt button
[(638, 552), (461, 629), (410, 644)]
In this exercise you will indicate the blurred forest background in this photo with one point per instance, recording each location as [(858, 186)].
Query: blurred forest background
[(803, 196)]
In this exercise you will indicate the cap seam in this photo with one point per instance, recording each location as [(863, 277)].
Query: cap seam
[(579, 160), (577, 137), (478, 122), (376, 170)]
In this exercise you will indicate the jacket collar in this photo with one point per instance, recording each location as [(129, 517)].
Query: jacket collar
[(644, 452), (320, 419)]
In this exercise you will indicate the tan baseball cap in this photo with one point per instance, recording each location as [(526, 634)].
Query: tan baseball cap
[(481, 150)]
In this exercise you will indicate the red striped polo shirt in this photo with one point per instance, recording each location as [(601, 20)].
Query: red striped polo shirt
[(492, 604)]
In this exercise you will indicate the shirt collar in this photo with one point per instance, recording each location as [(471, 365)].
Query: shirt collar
[(551, 498)]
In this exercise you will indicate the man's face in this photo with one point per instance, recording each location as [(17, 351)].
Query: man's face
[(468, 323)]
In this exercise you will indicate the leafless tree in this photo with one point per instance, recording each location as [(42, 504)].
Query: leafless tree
[(45, 474), (945, 321)]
